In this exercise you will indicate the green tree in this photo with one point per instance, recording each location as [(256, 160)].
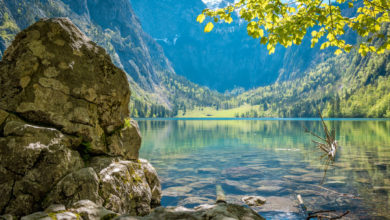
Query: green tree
[(287, 22)]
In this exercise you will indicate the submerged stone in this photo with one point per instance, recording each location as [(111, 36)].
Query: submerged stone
[(203, 212), (269, 188), (177, 191), (254, 200)]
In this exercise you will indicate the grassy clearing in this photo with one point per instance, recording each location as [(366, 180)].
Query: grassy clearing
[(211, 112)]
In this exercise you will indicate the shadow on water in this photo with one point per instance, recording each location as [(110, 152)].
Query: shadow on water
[(274, 159)]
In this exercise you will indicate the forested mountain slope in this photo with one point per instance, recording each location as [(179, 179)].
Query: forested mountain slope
[(294, 82)]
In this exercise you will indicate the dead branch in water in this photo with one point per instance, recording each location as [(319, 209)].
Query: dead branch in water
[(220, 195), (331, 214), (320, 215), (328, 144)]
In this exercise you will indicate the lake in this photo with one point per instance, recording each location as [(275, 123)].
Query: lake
[(274, 159)]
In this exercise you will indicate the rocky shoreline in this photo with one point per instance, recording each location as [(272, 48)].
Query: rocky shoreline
[(67, 147)]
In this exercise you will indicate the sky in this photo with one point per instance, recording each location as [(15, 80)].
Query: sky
[(212, 4)]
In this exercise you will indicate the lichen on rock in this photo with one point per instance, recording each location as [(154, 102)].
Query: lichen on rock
[(63, 111)]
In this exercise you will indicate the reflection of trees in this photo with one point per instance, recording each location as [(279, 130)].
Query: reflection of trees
[(177, 136)]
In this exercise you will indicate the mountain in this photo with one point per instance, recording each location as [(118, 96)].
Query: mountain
[(293, 82), (114, 26), (223, 59)]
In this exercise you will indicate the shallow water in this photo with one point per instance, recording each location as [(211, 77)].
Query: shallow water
[(274, 159)]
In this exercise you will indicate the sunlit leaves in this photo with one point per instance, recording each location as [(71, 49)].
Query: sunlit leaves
[(201, 18), (338, 51), (208, 27), (286, 23)]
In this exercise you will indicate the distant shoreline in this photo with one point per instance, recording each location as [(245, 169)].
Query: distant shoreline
[(263, 119)]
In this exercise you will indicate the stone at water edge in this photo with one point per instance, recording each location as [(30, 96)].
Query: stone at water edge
[(90, 211), (128, 135), (217, 211), (124, 188), (254, 200)]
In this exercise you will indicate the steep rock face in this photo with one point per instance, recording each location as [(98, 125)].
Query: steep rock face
[(221, 59), (225, 57), (63, 109)]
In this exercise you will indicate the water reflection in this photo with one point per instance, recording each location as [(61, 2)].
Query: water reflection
[(274, 159)]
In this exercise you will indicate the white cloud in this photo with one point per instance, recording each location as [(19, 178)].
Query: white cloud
[(212, 3)]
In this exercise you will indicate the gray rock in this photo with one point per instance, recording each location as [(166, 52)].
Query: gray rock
[(175, 191), (100, 162), (88, 210), (203, 212), (64, 130), (254, 200), (53, 74), (36, 216), (7, 217), (279, 204), (55, 208), (65, 216), (126, 141), (26, 153), (78, 185), (153, 182), (3, 116), (125, 189), (269, 188)]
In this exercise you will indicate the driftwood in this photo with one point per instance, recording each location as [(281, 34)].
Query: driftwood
[(322, 214), (220, 194), (338, 193), (328, 144)]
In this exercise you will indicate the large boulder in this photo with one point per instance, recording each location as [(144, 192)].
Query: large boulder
[(53, 74), (64, 131)]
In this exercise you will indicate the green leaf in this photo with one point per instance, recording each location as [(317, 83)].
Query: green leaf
[(209, 27), (263, 40), (338, 51), (200, 18), (229, 20)]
